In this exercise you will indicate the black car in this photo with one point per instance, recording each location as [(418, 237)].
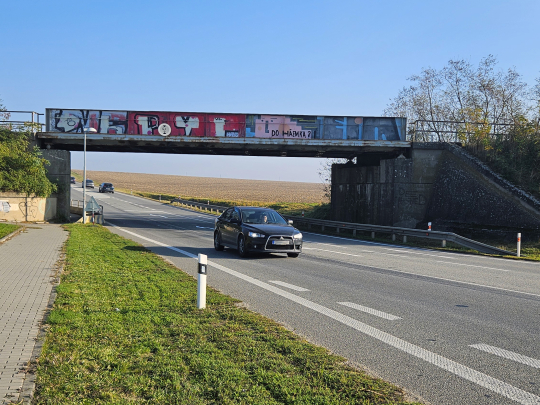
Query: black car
[(106, 188), (72, 180), (255, 229)]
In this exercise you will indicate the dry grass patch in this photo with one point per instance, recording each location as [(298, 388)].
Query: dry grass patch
[(213, 188)]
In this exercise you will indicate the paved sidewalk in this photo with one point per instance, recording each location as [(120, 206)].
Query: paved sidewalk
[(28, 264)]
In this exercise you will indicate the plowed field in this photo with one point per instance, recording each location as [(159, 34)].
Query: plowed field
[(213, 188)]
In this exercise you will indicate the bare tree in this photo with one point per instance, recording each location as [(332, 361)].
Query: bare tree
[(460, 102), (3, 114)]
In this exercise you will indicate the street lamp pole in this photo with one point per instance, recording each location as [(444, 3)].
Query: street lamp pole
[(85, 131)]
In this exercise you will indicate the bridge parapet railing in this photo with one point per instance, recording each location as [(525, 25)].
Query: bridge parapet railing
[(444, 237)]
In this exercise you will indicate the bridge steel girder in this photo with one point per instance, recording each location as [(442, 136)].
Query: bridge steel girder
[(322, 148)]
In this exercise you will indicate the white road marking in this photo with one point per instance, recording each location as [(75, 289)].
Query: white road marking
[(291, 286), (156, 215), (393, 254), (387, 246), (529, 361), (138, 211), (470, 265), (203, 227), (371, 311), (331, 251), (481, 379)]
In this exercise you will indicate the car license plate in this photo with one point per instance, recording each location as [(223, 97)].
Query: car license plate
[(280, 242)]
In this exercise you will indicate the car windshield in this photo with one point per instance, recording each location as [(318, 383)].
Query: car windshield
[(262, 216), (107, 185), (89, 181)]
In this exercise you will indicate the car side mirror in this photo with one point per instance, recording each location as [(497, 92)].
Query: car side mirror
[(289, 221)]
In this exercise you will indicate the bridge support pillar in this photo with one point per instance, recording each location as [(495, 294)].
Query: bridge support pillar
[(59, 172)]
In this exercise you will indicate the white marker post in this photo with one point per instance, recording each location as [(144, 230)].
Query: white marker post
[(201, 281), (519, 245), (429, 226)]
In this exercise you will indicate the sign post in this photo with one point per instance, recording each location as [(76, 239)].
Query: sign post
[(201, 281)]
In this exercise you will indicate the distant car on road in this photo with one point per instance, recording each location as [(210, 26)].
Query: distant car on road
[(255, 229), (73, 180), (89, 183), (106, 188)]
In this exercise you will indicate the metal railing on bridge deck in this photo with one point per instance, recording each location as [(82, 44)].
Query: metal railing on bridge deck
[(20, 124), (444, 237)]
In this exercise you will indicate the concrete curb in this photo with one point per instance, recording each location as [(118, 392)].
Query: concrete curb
[(12, 234)]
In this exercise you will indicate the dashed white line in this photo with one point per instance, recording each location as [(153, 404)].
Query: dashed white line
[(287, 285), (529, 361), (371, 311), (481, 379)]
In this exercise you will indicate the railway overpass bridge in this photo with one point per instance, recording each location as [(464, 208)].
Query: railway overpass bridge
[(392, 182)]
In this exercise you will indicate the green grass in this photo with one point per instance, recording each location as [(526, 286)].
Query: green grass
[(6, 229), (125, 330)]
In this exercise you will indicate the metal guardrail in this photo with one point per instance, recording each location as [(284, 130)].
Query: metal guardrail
[(205, 207), (394, 231), (417, 233), (80, 204)]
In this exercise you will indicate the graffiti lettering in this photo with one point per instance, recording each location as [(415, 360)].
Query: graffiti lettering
[(187, 123), (228, 125)]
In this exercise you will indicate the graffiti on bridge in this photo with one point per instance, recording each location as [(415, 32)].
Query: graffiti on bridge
[(184, 124)]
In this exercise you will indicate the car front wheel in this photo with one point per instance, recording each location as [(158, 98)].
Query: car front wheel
[(242, 248), (217, 242)]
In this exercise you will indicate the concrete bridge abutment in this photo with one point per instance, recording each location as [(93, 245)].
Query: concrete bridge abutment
[(438, 183)]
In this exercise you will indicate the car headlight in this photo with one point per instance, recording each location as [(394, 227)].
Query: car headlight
[(297, 235), (256, 235)]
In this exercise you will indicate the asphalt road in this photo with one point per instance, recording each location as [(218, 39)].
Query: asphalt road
[(449, 328)]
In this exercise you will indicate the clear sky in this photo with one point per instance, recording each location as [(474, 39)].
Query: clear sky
[(340, 57)]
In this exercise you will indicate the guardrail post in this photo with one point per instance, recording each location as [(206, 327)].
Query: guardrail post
[(201, 281), (337, 229), (322, 227), (519, 245), (372, 235), (443, 244), (404, 238), (393, 237), (354, 232)]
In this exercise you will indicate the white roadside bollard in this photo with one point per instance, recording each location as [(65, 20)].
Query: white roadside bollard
[(429, 226), (201, 281), (519, 245)]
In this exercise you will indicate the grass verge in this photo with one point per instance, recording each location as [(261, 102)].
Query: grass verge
[(6, 229), (125, 329)]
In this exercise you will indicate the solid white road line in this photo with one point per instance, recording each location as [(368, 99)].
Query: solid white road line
[(470, 265), (529, 361), (203, 227), (291, 286), (371, 311), (331, 251), (484, 380)]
